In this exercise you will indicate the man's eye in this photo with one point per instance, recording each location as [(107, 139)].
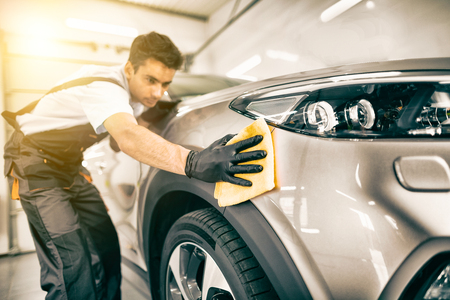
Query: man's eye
[(151, 80)]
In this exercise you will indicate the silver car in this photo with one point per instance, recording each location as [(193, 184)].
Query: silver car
[(360, 208)]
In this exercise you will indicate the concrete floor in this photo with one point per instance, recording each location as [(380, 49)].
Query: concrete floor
[(19, 280)]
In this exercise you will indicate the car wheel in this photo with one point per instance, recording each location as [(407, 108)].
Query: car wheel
[(205, 258)]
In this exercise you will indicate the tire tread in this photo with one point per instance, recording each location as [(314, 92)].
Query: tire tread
[(250, 273)]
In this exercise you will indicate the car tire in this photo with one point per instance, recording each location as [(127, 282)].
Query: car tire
[(204, 254)]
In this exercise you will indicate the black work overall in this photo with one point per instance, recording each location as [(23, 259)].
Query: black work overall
[(76, 242)]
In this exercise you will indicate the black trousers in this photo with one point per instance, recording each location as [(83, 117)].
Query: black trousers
[(76, 242)]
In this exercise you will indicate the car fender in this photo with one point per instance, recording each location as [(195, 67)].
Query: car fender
[(245, 218)]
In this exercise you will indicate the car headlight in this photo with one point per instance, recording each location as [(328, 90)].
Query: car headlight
[(440, 288), (360, 114), (319, 115), (431, 116), (356, 110), (432, 281)]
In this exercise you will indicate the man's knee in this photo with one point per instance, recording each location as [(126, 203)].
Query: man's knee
[(105, 238)]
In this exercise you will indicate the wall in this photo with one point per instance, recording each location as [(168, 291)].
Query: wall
[(4, 198), (39, 50), (389, 30)]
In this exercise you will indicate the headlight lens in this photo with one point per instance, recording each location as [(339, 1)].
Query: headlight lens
[(357, 110), (319, 115), (360, 114), (440, 288)]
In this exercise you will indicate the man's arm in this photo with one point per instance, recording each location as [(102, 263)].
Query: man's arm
[(144, 145), (217, 162)]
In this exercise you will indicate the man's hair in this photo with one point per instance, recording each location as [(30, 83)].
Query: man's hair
[(156, 46)]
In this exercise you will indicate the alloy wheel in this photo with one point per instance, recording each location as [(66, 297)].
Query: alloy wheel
[(193, 274)]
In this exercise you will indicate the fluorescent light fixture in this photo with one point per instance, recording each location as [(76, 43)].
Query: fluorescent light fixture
[(247, 65), (101, 27), (336, 9), (275, 54)]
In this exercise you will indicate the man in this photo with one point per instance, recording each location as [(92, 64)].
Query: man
[(75, 239)]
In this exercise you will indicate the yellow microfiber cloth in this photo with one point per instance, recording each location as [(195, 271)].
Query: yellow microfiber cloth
[(230, 194)]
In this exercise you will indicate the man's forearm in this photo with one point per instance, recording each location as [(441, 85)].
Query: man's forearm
[(218, 162), (144, 145), (153, 150)]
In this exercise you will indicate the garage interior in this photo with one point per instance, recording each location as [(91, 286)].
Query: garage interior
[(43, 41)]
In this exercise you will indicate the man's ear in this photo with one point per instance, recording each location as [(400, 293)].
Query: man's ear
[(129, 70)]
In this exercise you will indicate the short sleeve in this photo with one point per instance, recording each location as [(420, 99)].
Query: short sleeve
[(100, 100)]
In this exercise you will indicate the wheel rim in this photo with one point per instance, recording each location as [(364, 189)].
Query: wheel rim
[(193, 274)]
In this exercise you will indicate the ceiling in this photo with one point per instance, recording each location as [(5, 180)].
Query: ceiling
[(198, 9)]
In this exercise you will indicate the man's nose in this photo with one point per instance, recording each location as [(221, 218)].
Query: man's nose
[(157, 92)]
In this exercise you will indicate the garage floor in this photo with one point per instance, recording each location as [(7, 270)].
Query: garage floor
[(19, 280)]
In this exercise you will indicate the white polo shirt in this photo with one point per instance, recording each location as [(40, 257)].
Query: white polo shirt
[(92, 103)]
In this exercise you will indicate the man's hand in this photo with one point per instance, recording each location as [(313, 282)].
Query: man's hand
[(219, 162)]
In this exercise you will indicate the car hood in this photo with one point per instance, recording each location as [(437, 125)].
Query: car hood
[(406, 65)]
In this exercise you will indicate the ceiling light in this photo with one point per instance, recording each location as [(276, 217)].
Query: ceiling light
[(247, 65), (336, 9), (101, 27)]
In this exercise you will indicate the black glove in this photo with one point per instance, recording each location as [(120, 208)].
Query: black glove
[(159, 111), (219, 162)]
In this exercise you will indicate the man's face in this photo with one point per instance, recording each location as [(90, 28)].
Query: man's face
[(150, 81)]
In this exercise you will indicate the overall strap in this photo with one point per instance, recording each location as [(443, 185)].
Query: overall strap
[(10, 117)]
